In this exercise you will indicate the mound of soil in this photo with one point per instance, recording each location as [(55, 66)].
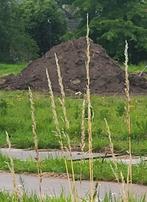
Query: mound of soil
[(105, 74)]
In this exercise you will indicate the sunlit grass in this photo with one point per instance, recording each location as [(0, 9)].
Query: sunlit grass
[(5, 197), (17, 121), (6, 69), (136, 68)]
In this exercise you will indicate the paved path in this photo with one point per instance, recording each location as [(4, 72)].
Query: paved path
[(55, 186), (74, 155), (44, 154)]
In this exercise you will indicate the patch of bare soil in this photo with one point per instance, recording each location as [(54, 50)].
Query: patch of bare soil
[(105, 74)]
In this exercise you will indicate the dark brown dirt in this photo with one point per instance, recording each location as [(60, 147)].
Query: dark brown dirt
[(105, 74)]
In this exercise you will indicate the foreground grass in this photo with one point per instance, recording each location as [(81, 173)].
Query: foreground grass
[(102, 169), (5, 197), (15, 117), (6, 69)]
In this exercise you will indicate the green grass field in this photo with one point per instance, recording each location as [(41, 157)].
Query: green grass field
[(16, 119), (5, 197), (6, 69), (136, 68)]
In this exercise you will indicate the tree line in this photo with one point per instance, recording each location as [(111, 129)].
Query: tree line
[(29, 28)]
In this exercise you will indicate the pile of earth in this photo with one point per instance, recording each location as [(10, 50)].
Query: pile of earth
[(105, 74)]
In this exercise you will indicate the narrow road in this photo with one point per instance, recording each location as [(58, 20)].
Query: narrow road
[(22, 154), (52, 186)]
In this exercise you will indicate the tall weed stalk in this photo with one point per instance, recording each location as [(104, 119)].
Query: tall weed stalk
[(88, 97), (12, 170), (73, 191), (62, 92), (82, 145), (35, 139), (128, 117), (68, 148)]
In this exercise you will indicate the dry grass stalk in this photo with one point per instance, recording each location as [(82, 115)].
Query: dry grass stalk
[(35, 139), (62, 101), (53, 106), (12, 170), (62, 92), (73, 182), (83, 127), (124, 195), (68, 177), (115, 168), (140, 74), (128, 118), (95, 193), (89, 111), (82, 145), (55, 116)]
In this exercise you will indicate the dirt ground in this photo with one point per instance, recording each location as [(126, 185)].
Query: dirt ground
[(105, 74)]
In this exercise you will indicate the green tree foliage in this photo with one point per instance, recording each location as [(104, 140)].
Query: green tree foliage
[(28, 27), (45, 22), (15, 44), (62, 2), (114, 21)]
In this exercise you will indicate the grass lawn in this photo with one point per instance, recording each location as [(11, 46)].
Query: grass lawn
[(6, 69), (15, 117), (5, 197), (102, 169), (136, 68)]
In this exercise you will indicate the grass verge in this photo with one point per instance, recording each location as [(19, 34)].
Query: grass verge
[(5, 197), (6, 69), (102, 169), (17, 121)]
